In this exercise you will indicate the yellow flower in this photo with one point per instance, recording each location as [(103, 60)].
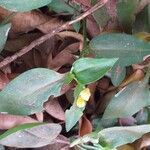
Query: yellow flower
[(85, 94), (83, 97), (80, 102)]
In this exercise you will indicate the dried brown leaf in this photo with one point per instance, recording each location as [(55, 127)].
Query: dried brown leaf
[(136, 76), (64, 57), (74, 35), (27, 21), (16, 44), (85, 126), (143, 142)]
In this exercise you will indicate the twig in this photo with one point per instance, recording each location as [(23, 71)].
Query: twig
[(75, 35), (39, 41)]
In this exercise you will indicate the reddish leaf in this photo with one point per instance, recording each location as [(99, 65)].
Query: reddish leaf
[(92, 27), (53, 108), (130, 121), (85, 3), (85, 126)]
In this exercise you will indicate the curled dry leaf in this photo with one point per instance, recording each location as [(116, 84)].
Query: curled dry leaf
[(10, 121), (136, 76), (27, 21), (51, 24), (53, 108), (38, 57), (85, 126), (41, 54), (75, 35), (143, 142), (64, 57), (20, 41)]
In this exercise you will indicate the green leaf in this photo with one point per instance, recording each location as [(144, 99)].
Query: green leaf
[(102, 17), (79, 87), (61, 6), (92, 137), (142, 116), (30, 135), (118, 74), (114, 137), (26, 94), (126, 13), (88, 70), (128, 101), (117, 136), (127, 48), (23, 5), (77, 26), (72, 116), (68, 78), (4, 29), (76, 112)]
